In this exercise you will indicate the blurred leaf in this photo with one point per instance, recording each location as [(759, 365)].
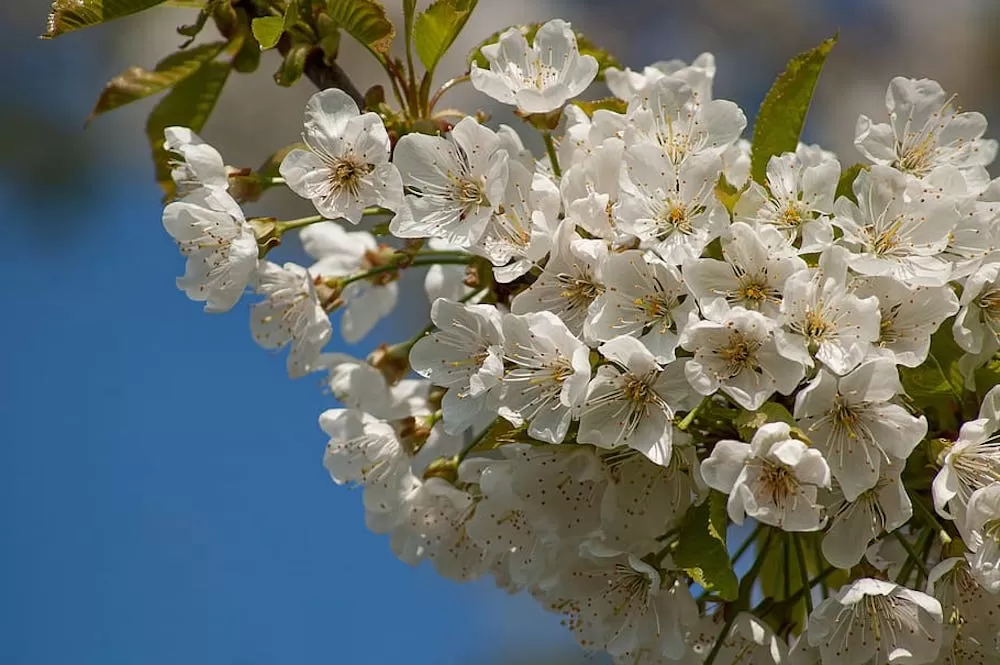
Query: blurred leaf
[(366, 21), (294, 64), (189, 104), (267, 30), (586, 47), (782, 115), (748, 422), (607, 104), (435, 30), (727, 194), (186, 4), (701, 547), (845, 186), (136, 83), (987, 377), (936, 386), (69, 15)]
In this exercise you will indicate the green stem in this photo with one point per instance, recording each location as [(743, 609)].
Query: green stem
[(282, 227), (720, 640), (445, 87), (550, 147), (912, 554), (475, 442), (747, 543), (685, 423), (389, 267), (804, 572), (928, 515)]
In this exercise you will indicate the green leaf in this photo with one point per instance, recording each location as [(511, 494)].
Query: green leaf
[(727, 194), (136, 83), (69, 15), (845, 186), (586, 47), (936, 386), (701, 547), (607, 104), (189, 104), (783, 113), (185, 4), (748, 422), (435, 30), (267, 30), (366, 21)]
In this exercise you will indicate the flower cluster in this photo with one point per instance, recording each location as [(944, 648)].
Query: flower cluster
[(631, 330)]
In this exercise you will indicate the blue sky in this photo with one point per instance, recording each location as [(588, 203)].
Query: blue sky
[(162, 497)]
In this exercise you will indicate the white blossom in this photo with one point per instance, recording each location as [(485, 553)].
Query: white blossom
[(547, 375), (220, 247), (774, 479), (853, 422), (797, 201), (571, 281), (752, 274), (290, 314), (896, 228), (464, 355), (977, 325), (538, 78), (453, 183), (925, 130), (738, 352), (197, 163), (617, 602), (340, 253), (827, 320), (521, 232), (982, 536), (749, 641), (346, 166), (970, 463), (876, 621), (680, 117), (856, 523), (968, 611), (626, 84), (909, 316), (673, 210), (632, 401), (645, 298)]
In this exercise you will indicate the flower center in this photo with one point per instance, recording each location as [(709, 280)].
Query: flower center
[(347, 174), (816, 326), (580, 290), (791, 216), (753, 290), (778, 482), (740, 353), (677, 216)]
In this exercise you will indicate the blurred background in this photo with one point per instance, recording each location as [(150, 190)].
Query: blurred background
[(162, 497)]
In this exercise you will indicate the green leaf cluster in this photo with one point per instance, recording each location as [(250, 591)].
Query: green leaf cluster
[(701, 548), (783, 114)]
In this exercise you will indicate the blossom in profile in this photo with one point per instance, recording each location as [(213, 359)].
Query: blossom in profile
[(538, 77)]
